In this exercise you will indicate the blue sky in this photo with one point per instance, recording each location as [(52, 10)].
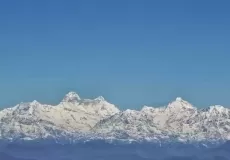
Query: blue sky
[(134, 53)]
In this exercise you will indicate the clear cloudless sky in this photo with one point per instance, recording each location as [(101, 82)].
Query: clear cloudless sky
[(132, 52)]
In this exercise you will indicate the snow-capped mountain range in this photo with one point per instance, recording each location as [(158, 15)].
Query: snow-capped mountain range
[(76, 117)]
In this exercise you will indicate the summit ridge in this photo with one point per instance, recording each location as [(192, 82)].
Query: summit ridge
[(76, 117)]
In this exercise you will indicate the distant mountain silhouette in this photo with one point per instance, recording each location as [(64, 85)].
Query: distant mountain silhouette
[(225, 146), (4, 156), (100, 150)]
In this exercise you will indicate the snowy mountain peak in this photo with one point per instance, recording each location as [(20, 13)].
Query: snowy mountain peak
[(217, 108), (179, 99), (180, 103), (145, 108), (71, 97), (100, 98), (34, 102), (98, 118)]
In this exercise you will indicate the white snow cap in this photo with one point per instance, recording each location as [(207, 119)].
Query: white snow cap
[(34, 102), (218, 108), (71, 97), (100, 98), (180, 103), (179, 99)]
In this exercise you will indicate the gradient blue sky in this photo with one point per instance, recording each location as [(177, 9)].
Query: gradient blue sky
[(133, 53)]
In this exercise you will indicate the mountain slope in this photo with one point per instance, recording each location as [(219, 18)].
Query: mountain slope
[(178, 119), (71, 116), (75, 117)]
